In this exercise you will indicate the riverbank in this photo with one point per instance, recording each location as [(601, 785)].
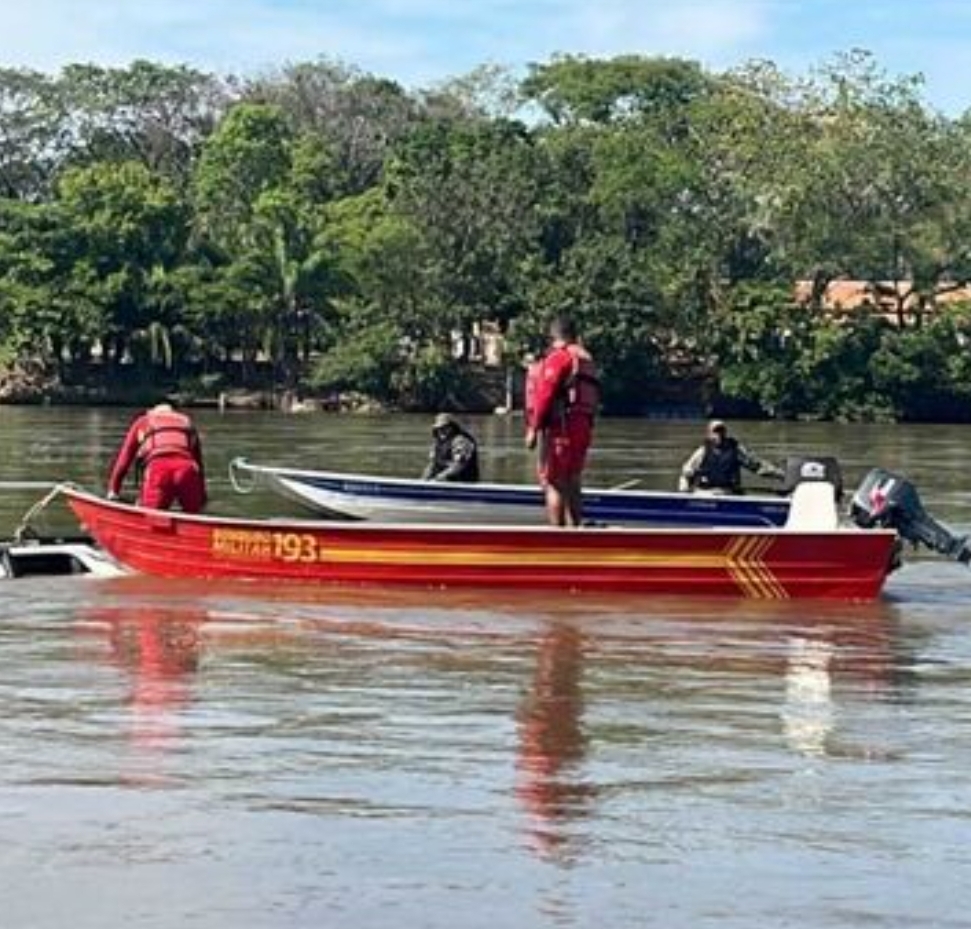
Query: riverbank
[(237, 399), (469, 385), (485, 391), (25, 387)]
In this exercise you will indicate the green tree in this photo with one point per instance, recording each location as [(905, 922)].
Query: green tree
[(472, 192), (248, 155), (47, 313), (155, 114), (260, 192), (129, 228), (573, 88), (31, 120), (359, 116)]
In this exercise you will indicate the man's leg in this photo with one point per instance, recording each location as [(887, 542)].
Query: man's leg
[(574, 501), (554, 463), (190, 488), (572, 455), (575, 459), (158, 490), (556, 505)]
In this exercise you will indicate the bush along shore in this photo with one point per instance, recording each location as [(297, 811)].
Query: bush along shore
[(746, 240)]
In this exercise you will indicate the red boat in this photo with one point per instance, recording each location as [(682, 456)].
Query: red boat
[(770, 563)]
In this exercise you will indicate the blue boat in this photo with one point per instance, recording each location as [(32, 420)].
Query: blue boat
[(340, 495)]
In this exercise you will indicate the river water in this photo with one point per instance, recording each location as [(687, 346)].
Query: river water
[(177, 753)]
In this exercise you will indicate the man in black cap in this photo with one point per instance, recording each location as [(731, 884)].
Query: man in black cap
[(454, 455), (716, 464)]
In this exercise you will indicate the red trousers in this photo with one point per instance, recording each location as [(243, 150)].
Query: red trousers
[(564, 451), (173, 479)]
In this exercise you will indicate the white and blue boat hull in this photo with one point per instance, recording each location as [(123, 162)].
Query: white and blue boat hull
[(387, 499)]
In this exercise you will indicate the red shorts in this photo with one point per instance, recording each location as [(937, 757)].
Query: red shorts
[(170, 480), (564, 452)]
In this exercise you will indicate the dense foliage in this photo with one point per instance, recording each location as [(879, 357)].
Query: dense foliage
[(326, 228)]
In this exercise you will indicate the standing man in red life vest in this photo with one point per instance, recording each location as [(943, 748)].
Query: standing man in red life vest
[(165, 443), (564, 396)]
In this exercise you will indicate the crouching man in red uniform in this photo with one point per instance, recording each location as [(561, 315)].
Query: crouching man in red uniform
[(563, 397), (165, 443)]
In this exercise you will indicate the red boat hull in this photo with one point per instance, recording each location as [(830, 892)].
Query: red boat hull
[(756, 563)]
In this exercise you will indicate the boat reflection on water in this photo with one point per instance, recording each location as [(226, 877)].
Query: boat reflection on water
[(678, 666), (862, 660), (614, 691), (159, 649), (807, 713)]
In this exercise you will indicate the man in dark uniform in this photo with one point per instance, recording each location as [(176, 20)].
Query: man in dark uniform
[(454, 455), (717, 463)]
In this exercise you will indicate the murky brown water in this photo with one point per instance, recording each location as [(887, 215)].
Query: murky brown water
[(212, 755)]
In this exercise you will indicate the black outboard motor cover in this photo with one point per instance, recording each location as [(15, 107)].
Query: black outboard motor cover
[(890, 501), (801, 469)]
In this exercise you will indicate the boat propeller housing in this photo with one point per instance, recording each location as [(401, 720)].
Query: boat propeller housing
[(891, 501)]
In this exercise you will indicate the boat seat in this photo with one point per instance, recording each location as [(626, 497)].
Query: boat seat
[(813, 508)]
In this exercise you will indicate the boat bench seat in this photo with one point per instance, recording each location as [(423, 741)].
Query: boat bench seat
[(813, 508)]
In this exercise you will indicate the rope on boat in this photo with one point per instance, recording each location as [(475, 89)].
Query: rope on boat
[(236, 467), (24, 528)]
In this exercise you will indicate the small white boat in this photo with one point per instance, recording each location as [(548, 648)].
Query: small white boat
[(55, 557)]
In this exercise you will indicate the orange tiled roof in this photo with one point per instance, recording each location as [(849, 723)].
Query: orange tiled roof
[(845, 294)]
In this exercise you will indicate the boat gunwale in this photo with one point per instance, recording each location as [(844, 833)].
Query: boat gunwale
[(404, 528)]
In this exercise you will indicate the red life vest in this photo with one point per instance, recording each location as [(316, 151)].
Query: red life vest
[(581, 390), (166, 433)]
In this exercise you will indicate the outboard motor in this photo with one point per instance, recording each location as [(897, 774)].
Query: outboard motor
[(890, 501), (804, 469)]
